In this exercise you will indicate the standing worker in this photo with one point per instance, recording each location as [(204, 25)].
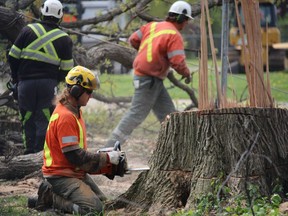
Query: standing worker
[(160, 45), (39, 59), (67, 185)]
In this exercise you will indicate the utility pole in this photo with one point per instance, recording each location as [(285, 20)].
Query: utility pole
[(224, 46)]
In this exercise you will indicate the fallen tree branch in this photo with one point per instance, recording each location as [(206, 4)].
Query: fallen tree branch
[(184, 87)]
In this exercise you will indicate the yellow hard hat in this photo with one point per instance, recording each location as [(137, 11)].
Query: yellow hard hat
[(84, 77)]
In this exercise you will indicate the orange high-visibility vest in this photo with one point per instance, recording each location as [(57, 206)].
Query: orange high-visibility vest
[(69, 18), (65, 131)]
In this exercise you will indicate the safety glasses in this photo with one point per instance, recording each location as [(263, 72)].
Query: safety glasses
[(88, 91)]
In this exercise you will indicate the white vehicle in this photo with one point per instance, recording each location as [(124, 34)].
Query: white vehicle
[(87, 9), (91, 9)]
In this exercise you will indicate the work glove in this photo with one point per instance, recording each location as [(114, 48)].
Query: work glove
[(12, 86), (114, 157)]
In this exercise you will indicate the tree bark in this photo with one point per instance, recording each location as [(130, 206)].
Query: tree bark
[(243, 145), (115, 52)]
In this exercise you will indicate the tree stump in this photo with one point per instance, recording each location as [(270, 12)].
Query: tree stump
[(195, 147)]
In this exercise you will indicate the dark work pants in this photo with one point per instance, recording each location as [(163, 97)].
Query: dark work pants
[(83, 193), (35, 98)]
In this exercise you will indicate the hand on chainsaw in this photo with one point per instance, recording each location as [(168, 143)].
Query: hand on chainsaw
[(114, 157)]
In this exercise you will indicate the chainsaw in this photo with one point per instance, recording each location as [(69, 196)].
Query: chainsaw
[(111, 170)]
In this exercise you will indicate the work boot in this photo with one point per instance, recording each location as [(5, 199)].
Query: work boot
[(45, 197), (65, 205)]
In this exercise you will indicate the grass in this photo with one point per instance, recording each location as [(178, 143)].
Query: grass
[(17, 206), (121, 85)]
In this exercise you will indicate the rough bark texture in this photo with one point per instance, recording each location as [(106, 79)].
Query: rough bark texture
[(123, 55), (194, 148)]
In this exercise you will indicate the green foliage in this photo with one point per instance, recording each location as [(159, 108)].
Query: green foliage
[(209, 204), (17, 206)]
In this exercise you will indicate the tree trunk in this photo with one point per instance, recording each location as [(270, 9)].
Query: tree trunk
[(11, 23), (196, 147)]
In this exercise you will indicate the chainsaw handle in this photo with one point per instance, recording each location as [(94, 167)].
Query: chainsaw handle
[(117, 146)]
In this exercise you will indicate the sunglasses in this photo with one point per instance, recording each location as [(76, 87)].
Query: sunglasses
[(88, 91)]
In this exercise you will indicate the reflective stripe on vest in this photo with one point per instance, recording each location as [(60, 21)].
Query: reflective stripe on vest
[(15, 52), (175, 52), (66, 64), (139, 34), (149, 41), (44, 41), (47, 151), (39, 31)]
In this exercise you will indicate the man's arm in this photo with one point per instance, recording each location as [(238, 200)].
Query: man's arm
[(176, 55), (135, 39), (14, 65)]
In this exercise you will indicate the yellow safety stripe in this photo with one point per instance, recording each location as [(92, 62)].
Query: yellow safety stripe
[(15, 52), (47, 113), (47, 152), (48, 158), (39, 30), (66, 64), (81, 138), (44, 41), (26, 117), (31, 54), (149, 41)]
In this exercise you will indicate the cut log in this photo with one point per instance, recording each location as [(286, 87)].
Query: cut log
[(20, 166), (243, 145)]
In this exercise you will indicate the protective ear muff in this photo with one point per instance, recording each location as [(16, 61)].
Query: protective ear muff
[(76, 91), (180, 18)]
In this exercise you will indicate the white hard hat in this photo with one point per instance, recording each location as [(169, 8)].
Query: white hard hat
[(181, 7), (52, 8)]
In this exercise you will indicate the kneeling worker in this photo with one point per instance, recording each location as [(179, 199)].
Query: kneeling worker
[(67, 185)]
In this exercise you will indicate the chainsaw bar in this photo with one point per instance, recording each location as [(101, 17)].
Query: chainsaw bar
[(138, 169)]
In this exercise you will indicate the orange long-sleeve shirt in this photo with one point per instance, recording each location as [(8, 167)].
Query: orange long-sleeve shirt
[(160, 45)]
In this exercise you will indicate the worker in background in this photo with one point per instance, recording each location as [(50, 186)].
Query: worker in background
[(39, 59), (67, 185), (160, 45)]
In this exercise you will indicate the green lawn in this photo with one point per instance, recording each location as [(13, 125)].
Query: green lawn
[(121, 85)]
